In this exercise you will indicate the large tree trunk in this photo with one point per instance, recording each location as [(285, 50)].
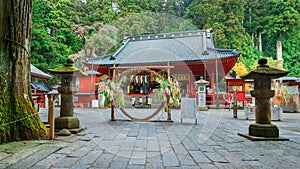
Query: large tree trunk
[(279, 50), (18, 118)]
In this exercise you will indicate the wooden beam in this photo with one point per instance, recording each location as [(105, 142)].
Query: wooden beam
[(122, 67)]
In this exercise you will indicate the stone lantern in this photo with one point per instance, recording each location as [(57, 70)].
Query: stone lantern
[(262, 92), (202, 94), (68, 75)]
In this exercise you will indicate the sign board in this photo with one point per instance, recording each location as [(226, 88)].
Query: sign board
[(94, 103), (101, 99), (188, 110), (276, 113)]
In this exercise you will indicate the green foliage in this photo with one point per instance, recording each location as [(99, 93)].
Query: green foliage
[(282, 16), (291, 52), (271, 62), (234, 24), (225, 18), (150, 23), (282, 95), (276, 20), (113, 93), (52, 38), (255, 13)]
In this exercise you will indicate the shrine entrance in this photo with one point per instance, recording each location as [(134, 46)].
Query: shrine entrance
[(151, 83)]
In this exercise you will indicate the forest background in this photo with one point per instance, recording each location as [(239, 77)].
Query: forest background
[(91, 28)]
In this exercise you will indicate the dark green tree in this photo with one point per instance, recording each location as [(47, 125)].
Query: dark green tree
[(282, 17), (52, 37), (225, 19), (255, 14), (291, 52)]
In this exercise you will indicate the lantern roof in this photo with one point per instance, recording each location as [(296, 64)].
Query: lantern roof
[(264, 70), (201, 81), (68, 69)]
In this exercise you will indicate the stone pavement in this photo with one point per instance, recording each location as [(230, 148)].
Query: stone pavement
[(212, 143)]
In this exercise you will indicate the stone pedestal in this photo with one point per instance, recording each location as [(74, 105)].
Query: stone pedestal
[(66, 119), (66, 123), (264, 130), (201, 108), (262, 105), (67, 106)]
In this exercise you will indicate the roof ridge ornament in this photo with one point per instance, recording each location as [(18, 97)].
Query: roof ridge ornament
[(168, 35), (70, 62), (205, 53), (263, 63)]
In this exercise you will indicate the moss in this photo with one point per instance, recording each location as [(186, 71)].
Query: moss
[(68, 70), (30, 128), (64, 69), (5, 118)]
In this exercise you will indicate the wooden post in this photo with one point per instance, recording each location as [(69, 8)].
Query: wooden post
[(212, 86), (168, 100), (112, 117), (112, 104), (51, 118), (169, 71), (169, 112), (235, 105)]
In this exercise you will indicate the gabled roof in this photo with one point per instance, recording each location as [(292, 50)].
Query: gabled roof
[(289, 78), (40, 86), (37, 73), (92, 72), (167, 47)]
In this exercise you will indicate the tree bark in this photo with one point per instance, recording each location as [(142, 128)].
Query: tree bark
[(260, 41), (18, 118), (279, 50), (252, 38)]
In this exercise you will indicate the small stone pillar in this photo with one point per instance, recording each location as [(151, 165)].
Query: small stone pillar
[(202, 94), (262, 92), (68, 75)]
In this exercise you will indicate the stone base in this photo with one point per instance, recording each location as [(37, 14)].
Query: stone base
[(202, 108), (66, 123), (263, 130), (77, 130), (254, 138)]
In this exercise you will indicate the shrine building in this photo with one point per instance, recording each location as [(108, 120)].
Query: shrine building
[(185, 56), (39, 89)]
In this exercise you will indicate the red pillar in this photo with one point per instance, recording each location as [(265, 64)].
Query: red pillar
[(192, 84)]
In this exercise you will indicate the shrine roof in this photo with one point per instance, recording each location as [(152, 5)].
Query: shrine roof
[(37, 73), (40, 86), (92, 72), (167, 47), (238, 78), (289, 78)]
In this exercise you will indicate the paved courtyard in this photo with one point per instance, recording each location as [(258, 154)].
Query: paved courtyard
[(211, 143)]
